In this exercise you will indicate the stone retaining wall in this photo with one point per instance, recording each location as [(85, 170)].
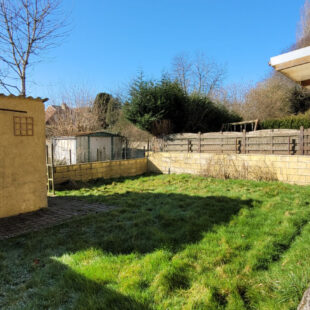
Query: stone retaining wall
[(289, 169)]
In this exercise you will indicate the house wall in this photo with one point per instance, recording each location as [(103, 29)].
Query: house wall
[(22, 158), (289, 169), (96, 170)]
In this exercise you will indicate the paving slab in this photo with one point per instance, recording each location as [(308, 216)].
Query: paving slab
[(60, 210)]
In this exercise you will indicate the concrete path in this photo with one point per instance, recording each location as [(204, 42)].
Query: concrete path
[(60, 210), (305, 302)]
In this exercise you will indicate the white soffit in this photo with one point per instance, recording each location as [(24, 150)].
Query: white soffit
[(295, 65), (300, 53)]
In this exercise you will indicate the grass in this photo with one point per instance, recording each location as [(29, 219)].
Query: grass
[(175, 242)]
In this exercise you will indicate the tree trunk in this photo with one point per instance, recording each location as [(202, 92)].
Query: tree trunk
[(23, 89)]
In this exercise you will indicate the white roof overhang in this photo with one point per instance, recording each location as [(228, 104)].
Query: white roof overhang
[(295, 65)]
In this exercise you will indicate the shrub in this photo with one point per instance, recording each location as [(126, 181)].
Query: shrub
[(162, 107), (107, 109), (299, 101), (151, 103), (206, 116), (223, 167), (289, 122)]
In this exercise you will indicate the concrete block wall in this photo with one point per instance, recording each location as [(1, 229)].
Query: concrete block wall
[(96, 170), (289, 169)]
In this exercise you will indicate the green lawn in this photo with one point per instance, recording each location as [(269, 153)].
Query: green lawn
[(175, 242)]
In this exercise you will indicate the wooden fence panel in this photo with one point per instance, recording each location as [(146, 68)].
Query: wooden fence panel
[(286, 142)]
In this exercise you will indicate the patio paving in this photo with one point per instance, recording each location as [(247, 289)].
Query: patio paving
[(60, 210)]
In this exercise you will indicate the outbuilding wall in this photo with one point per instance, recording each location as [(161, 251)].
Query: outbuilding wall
[(82, 149), (100, 148), (64, 150), (22, 157)]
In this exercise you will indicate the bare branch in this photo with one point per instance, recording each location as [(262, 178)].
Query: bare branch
[(182, 70), (8, 88), (303, 31), (199, 75), (27, 28)]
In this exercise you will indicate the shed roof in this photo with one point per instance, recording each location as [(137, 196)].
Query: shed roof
[(295, 65), (89, 134), (23, 97), (97, 134)]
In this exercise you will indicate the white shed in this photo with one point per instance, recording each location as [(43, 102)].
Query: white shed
[(87, 147)]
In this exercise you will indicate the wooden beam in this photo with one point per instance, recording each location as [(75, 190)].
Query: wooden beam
[(244, 122), (305, 83)]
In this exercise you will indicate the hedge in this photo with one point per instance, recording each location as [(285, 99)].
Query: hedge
[(289, 122)]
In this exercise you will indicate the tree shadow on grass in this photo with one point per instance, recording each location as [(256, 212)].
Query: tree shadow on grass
[(92, 295), (75, 185), (142, 223), (56, 286)]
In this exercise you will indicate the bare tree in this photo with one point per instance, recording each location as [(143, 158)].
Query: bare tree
[(207, 75), (303, 30), (27, 28), (182, 68), (198, 74), (233, 97), (270, 98), (75, 115)]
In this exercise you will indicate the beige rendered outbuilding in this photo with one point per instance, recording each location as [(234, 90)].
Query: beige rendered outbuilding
[(22, 155), (295, 65)]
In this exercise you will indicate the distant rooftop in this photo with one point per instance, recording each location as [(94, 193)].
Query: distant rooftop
[(295, 65)]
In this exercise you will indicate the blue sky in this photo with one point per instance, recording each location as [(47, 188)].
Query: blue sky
[(112, 40)]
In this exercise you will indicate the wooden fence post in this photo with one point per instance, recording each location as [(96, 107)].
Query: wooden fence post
[(189, 146), (52, 154), (222, 143), (46, 147), (52, 167), (243, 141), (125, 155), (301, 141)]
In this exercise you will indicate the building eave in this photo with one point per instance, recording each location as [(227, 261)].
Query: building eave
[(295, 65)]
